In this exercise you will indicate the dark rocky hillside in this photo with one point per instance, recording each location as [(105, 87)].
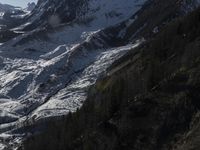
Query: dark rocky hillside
[(149, 99)]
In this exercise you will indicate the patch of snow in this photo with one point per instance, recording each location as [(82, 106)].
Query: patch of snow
[(71, 97), (156, 29), (2, 146), (188, 6)]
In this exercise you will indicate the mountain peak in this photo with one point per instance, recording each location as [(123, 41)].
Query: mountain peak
[(30, 6)]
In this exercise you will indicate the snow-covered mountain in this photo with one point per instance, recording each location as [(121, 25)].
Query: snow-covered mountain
[(51, 13), (58, 51), (45, 72), (37, 71), (7, 8), (6, 11), (10, 17)]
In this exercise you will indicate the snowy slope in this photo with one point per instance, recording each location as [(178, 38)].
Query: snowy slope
[(28, 68), (47, 74), (102, 12), (63, 98)]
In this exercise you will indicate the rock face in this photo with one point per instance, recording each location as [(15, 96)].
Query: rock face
[(31, 6), (10, 17), (6, 13), (65, 10)]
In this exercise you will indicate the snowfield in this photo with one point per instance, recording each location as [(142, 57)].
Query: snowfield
[(47, 77)]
